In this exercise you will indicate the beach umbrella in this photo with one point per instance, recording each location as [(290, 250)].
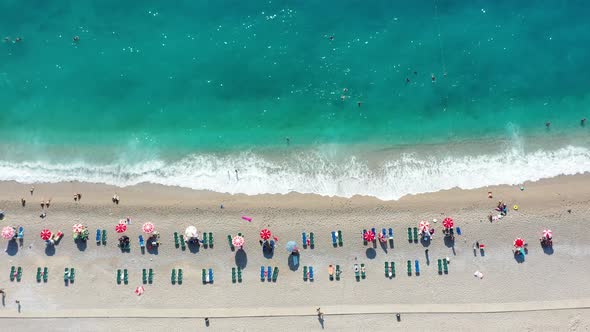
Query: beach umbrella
[(190, 231), (424, 226), (77, 228), (518, 242), (148, 228), (292, 246), (139, 290), (8, 232), (45, 234), (265, 234), (238, 241), (547, 233), (120, 228), (369, 236), (448, 223)]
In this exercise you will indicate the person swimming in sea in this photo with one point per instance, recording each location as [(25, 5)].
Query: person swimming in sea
[(583, 122)]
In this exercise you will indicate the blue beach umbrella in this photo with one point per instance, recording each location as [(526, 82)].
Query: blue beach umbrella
[(292, 246)]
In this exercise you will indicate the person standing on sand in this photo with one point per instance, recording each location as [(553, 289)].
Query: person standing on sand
[(320, 314), (32, 189)]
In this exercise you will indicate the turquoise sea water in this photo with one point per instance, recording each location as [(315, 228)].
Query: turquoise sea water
[(186, 92)]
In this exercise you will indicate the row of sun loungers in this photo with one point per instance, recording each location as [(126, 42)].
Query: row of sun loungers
[(16, 273), (308, 273), (337, 238), (269, 274), (208, 276), (101, 237), (42, 273), (125, 276), (176, 278), (390, 269), (233, 274), (413, 232), (443, 266), (307, 241)]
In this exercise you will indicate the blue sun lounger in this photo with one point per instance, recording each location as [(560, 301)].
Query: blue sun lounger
[(304, 239), (384, 232), (262, 273), (210, 275), (417, 266), (333, 238), (391, 233), (311, 273), (97, 235), (269, 273)]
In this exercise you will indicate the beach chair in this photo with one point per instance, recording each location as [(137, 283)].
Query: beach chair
[(182, 243), (275, 274), (72, 274), (415, 234), (384, 233), (392, 269), (144, 276), (98, 236), (356, 271), (21, 233), (12, 273), (125, 277), (233, 275), (204, 239), (439, 263), (210, 240), (410, 235), (141, 242), (239, 274), (363, 273), (334, 243), (445, 266), (45, 274), (19, 273), (311, 244), (176, 243), (229, 241), (305, 273), (391, 234), (311, 273), (210, 271), (173, 276), (387, 269), (180, 276), (304, 240), (150, 276), (204, 276), (67, 277), (38, 274), (409, 267), (364, 232), (331, 272), (417, 267), (340, 238), (338, 271), (262, 273), (269, 274), (104, 236)]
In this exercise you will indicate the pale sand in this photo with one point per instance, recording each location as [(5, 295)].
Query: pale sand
[(543, 282)]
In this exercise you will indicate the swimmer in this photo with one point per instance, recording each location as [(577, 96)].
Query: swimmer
[(432, 77), (76, 39), (583, 122), (331, 37), (343, 97), (407, 80), (547, 124), (18, 39), (288, 140), (345, 90), (6, 39), (359, 104), (415, 72)]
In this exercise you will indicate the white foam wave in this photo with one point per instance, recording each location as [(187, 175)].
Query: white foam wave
[(318, 172)]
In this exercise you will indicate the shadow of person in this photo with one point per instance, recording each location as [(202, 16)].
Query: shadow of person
[(321, 321)]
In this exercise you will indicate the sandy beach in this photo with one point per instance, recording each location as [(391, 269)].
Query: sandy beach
[(546, 291)]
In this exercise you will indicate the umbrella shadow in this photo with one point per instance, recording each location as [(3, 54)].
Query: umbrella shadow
[(425, 243), (82, 245), (383, 246), (153, 250), (241, 259), (12, 248), (267, 252), (49, 250), (548, 250), (371, 253), (519, 258), (193, 246), (293, 262), (449, 242)]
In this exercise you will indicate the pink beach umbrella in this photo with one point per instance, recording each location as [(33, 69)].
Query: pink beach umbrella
[(424, 226), (45, 234), (518, 242), (547, 233), (448, 223), (369, 236), (77, 228), (8, 232), (148, 228), (120, 228), (139, 290), (265, 234), (238, 241)]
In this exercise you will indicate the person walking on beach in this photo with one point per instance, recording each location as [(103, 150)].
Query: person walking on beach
[(320, 314)]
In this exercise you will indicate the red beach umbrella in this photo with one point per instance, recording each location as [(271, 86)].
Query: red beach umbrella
[(238, 241), (45, 234), (424, 226), (120, 228), (77, 228), (547, 233), (139, 290), (265, 234), (518, 242), (448, 223), (8, 232), (369, 236), (148, 228)]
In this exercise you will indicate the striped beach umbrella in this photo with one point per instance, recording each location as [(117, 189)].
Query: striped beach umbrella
[(238, 241), (45, 234), (8, 232), (292, 246), (77, 228), (424, 226), (139, 290), (369, 236), (265, 234), (190, 232), (120, 228), (148, 228), (448, 223), (518, 242), (547, 233)]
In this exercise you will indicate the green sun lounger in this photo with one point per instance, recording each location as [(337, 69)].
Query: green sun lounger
[(340, 238), (182, 242), (45, 274), (180, 276), (439, 263), (305, 273), (210, 240), (150, 276), (104, 236), (173, 276), (239, 274), (229, 241), (125, 276), (415, 234), (392, 269), (204, 275), (275, 274), (311, 243), (205, 239), (409, 267), (176, 244), (363, 273), (67, 274), (19, 273), (338, 272), (410, 234), (38, 274), (144, 276), (66, 277), (72, 274), (12, 273), (233, 275), (387, 269), (445, 266)]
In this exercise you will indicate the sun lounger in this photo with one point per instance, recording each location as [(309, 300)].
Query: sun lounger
[(233, 275), (387, 269), (364, 232), (415, 234), (458, 230), (269, 273), (98, 236), (19, 273), (340, 238), (311, 273), (38, 274), (384, 233), (141, 241), (356, 271), (210, 271), (125, 276), (445, 266), (275, 274), (210, 240), (150, 276), (239, 274), (417, 266), (338, 271), (12, 273), (182, 242), (262, 273), (21, 233), (391, 233), (331, 272), (67, 277), (176, 243), (204, 238), (334, 239), (410, 234), (173, 276), (311, 244), (304, 240), (144, 276), (45, 274), (180, 276), (392, 269), (363, 272), (72, 274), (305, 273), (409, 267), (104, 236), (229, 241), (204, 275)]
